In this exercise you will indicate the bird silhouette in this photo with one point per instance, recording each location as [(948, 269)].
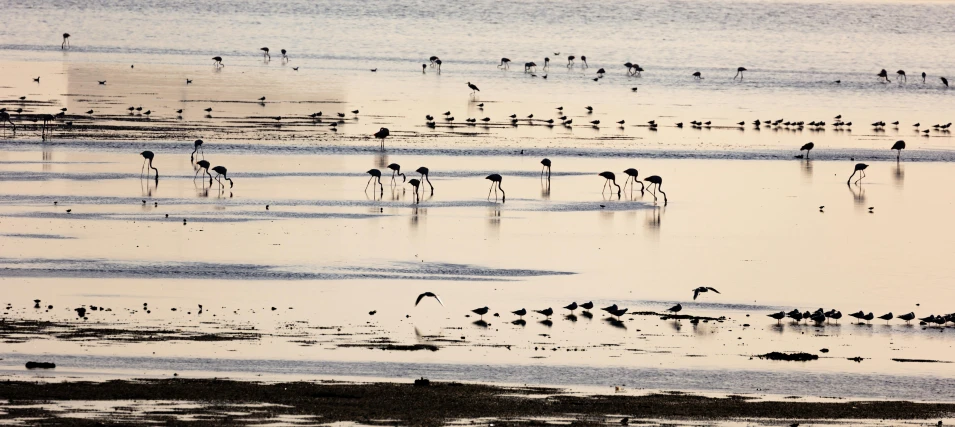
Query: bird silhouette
[(382, 134), (424, 175), (148, 157), (375, 174), (587, 305), (698, 75), (546, 312), (480, 311), (428, 294), (265, 53), (944, 81), (907, 317), (632, 176), (898, 146), (546, 163), (572, 306), (887, 317), (396, 170), (676, 308), (203, 165), (65, 45), (739, 73), (221, 172), (778, 316), (656, 180), (496, 185), (884, 75), (610, 178), (701, 289), (415, 183), (807, 147), (860, 167), (505, 63), (217, 61), (520, 312)]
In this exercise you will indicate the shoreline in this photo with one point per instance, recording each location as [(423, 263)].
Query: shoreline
[(436, 404)]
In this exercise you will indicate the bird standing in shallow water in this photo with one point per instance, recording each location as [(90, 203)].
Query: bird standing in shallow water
[(473, 87), (375, 174), (66, 41), (217, 61), (610, 178), (221, 172), (860, 167), (382, 134), (546, 163), (198, 147), (632, 176), (203, 164), (148, 157), (415, 183), (739, 73), (266, 55), (807, 147), (654, 179), (898, 146), (424, 175), (480, 311), (496, 185), (396, 170)]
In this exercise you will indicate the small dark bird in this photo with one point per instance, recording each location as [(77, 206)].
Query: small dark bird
[(698, 75), (480, 311), (102, 82), (944, 81), (428, 294), (188, 81), (473, 87), (702, 289), (546, 312), (37, 79)]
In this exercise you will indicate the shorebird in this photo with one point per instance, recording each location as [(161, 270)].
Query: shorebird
[(396, 170), (609, 308), (217, 61), (860, 167), (887, 317), (587, 305), (415, 183), (428, 294), (702, 289), (618, 312), (433, 60), (546, 163), (221, 172), (66, 43), (858, 315), (868, 317), (944, 81), (898, 146), (382, 134), (203, 165), (676, 308), (632, 176), (473, 87), (836, 316), (572, 306), (148, 157), (901, 74), (102, 82), (778, 316), (265, 53), (739, 73), (496, 179), (505, 62), (907, 317), (610, 178), (698, 75), (520, 312), (546, 312), (424, 175), (654, 179), (807, 147), (480, 311), (375, 174)]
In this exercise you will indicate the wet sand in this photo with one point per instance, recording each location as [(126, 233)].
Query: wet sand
[(187, 401)]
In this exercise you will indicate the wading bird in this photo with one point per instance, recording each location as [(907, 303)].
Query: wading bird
[(148, 156), (860, 167), (739, 73), (198, 148), (907, 317), (698, 75), (480, 311), (375, 174), (901, 75), (428, 294), (496, 185), (520, 312), (654, 179), (424, 175), (546, 312), (887, 317), (203, 165), (884, 75), (265, 53), (898, 146), (221, 172), (217, 61), (572, 306), (4, 119), (473, 87), (701, 289), (610, 178), (284, 55), (632, 176), (415, 183), (66, 41), (807, 147), (546, 163), (505, 63), (396, 170), (382, 134), (676, 308), (778, 316), (570, 61)]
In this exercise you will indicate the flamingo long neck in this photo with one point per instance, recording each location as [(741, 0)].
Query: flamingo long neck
[(503, 195), (850, 177), (615, 183), (151, 167), (195, 151), (428, 179), (403, 178)]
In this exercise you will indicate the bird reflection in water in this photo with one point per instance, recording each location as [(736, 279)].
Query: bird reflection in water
[(519, 322), (858, 194), (546, 322), (480, 323), (587, 314), (381, 160), (47, 158), (148, 186), (416, 214), (616, 323), (806, 167), (494, 216), (899, 174), (654, 218), (571, 317)]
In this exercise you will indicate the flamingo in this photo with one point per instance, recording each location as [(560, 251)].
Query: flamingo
[(610, 178), (284, 55), (148, 156), (4, 119), (807, 147), (902, 76), (415, 183), (266, 55), (47, 118), (546, 62), (221, 171), (584, 60), (496, 179), (375, 173), (198, 146), (396, 170), (654, 179), (546, 163), (698, 75), (217, 61), (884, 75), (570, 61), (898, 146), (632, 174), (424, 175), (860, 167), (66, 41), (438, 62), (203, 164), (433, 60), (739, 73), (505, 62), (382, 134)]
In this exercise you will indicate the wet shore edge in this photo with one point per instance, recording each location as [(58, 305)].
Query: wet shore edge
[(435, 403)]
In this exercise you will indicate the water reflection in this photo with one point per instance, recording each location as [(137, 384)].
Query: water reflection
[(47, 158), (858, 194), (806, 168), (545, 189), (899, 175), (381, 160), (494, 216), (148, 186), (654, 218)]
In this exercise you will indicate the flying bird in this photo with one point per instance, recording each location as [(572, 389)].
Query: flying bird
[(428, 294), (702, 289)]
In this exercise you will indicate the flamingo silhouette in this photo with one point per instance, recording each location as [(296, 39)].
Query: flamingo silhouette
[(632, 175), (424, 175), (284, 55), (898, 146), (739, 73), (529, 65), (610, 178), (396, 170), (860, 167), (375, 174), (884, 75), (217, 61), (505, 62), (198, 146), (807, 147), (654, 179), (438, 63), (148, 156), (698, 75), (546, 62), (382, 134), (546, 163), (496, 179), (415, 183), (266, 55), (47, 118), (66, 41), (923, 77), (4, 119), (902, 76), (203, 164), (433, 59), (570, 61), (584, 60), (221, 171)]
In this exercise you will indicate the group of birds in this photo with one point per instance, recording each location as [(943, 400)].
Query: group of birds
[(201, 165), (820, 316)]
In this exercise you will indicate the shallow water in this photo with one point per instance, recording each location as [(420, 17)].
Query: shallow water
[(743, 215)]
